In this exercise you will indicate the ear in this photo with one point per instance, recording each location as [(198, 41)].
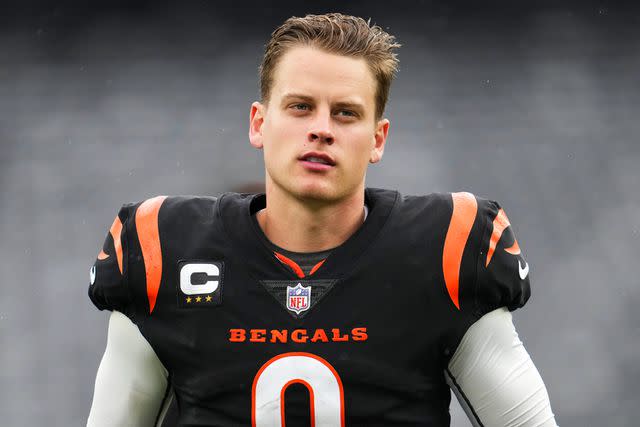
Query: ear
[(256, 120), (380, 137)]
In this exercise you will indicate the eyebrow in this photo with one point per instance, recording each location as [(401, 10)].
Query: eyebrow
[(288, 96), (342, 104)]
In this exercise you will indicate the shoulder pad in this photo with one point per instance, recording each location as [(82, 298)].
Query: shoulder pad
[(483, 265), (129, 271)]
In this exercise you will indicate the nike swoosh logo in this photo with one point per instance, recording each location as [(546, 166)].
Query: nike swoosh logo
[(523, 271)]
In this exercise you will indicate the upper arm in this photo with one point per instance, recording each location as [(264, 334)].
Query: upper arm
[(494, 378), (131, 383)]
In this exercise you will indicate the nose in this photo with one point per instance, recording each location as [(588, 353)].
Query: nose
[(321, 136), (320, 131)]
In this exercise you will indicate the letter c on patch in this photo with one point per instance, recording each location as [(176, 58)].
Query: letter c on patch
[(188, 270)]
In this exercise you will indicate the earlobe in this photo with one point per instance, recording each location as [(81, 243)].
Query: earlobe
[(256, 120)]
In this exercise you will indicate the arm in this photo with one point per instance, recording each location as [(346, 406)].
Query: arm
[(494, 378), (131, 383)]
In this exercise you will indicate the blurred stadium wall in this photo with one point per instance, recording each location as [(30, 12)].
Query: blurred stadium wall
[(535, 106)]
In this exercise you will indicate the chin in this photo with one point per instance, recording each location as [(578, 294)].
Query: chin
[(316, 193), (313, 189)]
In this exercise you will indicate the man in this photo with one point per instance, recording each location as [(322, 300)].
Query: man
[(322, 302)]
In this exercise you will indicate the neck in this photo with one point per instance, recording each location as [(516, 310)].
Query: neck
[(306, 226)]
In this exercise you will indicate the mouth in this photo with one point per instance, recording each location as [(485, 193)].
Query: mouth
[(318, 159)]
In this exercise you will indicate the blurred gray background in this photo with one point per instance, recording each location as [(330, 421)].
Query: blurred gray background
[(536, 106)]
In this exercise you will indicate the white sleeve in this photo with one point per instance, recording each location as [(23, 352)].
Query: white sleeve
[(131, 384), (494, 378)]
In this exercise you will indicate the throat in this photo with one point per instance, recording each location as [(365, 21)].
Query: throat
[(316, 235)]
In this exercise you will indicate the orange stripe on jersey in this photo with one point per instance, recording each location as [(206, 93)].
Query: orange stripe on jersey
[(316, 267), (116, 232), (500, 223), (514, 249), (291, 263), (465, 208), (149, 237)]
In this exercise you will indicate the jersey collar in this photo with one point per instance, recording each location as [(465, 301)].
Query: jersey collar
[(250, 245)]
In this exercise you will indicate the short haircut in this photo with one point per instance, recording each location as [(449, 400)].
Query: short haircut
[(338, 34)]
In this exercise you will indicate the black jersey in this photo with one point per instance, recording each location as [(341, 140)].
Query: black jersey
[(363, 341)]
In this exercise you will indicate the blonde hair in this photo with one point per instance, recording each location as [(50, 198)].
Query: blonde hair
[(339, 34)]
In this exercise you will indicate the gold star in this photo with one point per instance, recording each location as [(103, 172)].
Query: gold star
[(198, 299), (208, 298), (188, 300)]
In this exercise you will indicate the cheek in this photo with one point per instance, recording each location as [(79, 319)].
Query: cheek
[(361, 148), (282, 131), (279, 144)]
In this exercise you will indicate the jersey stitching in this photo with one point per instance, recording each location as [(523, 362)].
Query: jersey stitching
[(166, 399), (464, 396), (374, 240)]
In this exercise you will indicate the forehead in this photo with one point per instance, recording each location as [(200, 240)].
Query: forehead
[(320, 74)]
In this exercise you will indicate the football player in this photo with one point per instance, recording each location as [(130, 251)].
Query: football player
[(321, 302)]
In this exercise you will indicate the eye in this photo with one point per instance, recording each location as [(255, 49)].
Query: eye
[(347, 113), (300, 107)]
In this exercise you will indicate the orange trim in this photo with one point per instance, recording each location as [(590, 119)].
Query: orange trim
[(149, 237), (102, 255), (514, 249), (500, 223), (116, 232), (316, 267), (465, 208), (312, 401), (291, 263)]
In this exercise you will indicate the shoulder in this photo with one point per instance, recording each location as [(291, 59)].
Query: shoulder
[(149, 217), (173, 206), (132, 247), (482, 264), (145, 221), (461, 202), (463, 213), (461, 210), (170, 206)]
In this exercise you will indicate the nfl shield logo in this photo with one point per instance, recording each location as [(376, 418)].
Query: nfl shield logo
[(298, 298)]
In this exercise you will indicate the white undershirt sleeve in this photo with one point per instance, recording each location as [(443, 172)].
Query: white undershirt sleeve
[(131, 383), (494, 378)]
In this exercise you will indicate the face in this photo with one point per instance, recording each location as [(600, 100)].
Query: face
[(318, 130)]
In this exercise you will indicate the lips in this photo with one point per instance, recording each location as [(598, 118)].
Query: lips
[(318, 158)]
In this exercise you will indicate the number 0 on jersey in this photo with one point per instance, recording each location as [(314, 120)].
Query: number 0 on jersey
[(326, 393)]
